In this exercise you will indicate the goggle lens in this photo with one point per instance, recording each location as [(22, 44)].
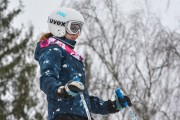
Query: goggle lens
[(75, 27)]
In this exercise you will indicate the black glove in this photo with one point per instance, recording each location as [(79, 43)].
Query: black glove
[(112, 107), (72, 88)]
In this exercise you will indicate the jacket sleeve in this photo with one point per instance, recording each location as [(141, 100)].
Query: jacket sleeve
[(50, 61), (98, 106)]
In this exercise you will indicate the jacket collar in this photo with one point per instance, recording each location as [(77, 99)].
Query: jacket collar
[(70, 43)]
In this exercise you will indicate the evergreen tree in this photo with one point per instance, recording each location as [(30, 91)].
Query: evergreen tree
[(17, 71)]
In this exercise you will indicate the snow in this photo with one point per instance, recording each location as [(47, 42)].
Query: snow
[(47, 61), (65, 65), (58, 110), (56, 49), (47, 72), (38, 18)]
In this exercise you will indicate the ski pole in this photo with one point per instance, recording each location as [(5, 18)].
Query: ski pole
[(120, 95), (85, 106)]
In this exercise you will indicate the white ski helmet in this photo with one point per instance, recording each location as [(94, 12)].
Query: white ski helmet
[(64, 20)]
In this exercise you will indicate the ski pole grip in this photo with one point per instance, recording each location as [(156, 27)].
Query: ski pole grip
[(120, 95)]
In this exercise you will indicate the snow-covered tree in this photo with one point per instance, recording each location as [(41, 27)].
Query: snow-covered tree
[(134, 51), (17, 71)]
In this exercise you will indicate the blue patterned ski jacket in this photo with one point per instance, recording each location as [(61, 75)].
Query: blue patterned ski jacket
[(57, 67)]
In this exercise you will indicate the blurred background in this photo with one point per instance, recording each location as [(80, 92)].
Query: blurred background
[(132, 44)]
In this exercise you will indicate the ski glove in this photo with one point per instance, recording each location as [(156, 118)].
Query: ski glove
[(112, 107), (72, 88)]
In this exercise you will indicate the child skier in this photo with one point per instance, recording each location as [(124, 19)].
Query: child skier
[(62, 70)]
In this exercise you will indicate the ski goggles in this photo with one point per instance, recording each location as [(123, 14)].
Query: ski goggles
[(74, 27)]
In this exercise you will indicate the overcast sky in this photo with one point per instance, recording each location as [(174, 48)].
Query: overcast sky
[(37, 11)]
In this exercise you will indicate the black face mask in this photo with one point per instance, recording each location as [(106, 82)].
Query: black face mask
[(70, 43)]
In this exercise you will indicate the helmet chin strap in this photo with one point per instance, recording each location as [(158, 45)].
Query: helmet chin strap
[(70, 43)]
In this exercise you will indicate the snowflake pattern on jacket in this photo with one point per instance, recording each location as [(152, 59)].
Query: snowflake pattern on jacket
[(57, 67)]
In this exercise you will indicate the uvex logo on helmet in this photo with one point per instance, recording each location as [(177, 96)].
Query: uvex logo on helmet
[(56, 22)]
